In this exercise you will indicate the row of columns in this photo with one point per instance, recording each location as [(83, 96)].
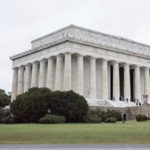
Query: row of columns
[(19, 85)]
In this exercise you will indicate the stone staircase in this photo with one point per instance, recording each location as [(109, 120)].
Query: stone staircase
[(109, 103), (98, 102)]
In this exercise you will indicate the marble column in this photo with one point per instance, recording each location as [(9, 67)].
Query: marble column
[(92, 78), (146, 82), (42, 73), (104, 79), (80, 74), (58, 82), (50, 72), (14, 84), (116, 89), (67, 72), (34, 77), (137, 84), (127, 82), (20, 80), (27, 77)]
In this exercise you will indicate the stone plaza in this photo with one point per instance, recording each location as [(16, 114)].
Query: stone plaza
[(109, 71)]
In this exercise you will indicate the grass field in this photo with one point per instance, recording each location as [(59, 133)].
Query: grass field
[(130, 132)]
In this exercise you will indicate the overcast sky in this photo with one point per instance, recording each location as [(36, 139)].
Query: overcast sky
[(21, 21)]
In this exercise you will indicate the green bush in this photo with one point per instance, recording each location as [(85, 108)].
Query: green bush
[(114, 113), (104, 115), (4, 98), (31, 105), (8, 120), (101, 114), (35, 103), (141, 117), (69, 104), (111, 120), (1, 114), (93, 119), (52, 119), (4, 113)]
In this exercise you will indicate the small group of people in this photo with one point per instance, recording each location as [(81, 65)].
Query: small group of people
[(127, 100)]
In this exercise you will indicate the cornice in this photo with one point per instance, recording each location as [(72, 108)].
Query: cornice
[(88, 37)]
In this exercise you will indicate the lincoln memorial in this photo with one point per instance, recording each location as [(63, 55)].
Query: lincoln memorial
[(105, 69)]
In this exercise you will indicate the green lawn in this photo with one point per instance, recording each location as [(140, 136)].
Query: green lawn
[(129, 132)]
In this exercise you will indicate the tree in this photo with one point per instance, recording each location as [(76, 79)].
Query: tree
[(35, 103), (31, 105), (114, 113), (4, 98), (69, 104)]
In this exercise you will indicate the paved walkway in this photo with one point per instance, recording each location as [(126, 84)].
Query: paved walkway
[(74, 147)]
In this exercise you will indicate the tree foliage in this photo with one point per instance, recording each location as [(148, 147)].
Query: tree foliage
[(34, 104), (4, 98), (99, 112), (69, 104), (106, 114), (141, 117), (31, 105), (93, 119), (114, 113), (52, 119), (111, 120)]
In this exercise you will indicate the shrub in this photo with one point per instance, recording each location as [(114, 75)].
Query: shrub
[(4, 113), (141, 117), (101, 114), (34, 104), (111, 120), (31, 105), (52, 119), (93, 119), (114, 113), (4, 98), (8, 120), (1, 114), (69, 104), (107, 120)]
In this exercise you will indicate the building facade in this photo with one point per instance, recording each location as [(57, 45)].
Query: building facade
[(95, 65)]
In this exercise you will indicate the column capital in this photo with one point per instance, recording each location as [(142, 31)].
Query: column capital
[(114, 62), (35, 62), (52, 57), (136, 66), (126, 64), (43, 60), (22, 66), (16, 68), (79, 55), (29, 64), (91, 57), (60, 55), (145, 67), (104, 60), (68, 52)]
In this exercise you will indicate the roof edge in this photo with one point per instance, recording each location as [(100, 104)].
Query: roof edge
[(93, 31)]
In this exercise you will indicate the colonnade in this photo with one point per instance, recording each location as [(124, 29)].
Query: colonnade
[(33, 75)]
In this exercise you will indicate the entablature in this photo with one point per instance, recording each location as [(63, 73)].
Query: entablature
[(88, 37)]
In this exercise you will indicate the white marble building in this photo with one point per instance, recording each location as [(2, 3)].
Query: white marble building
[(96, 65)]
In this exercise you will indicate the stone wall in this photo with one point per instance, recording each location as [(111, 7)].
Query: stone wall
[(130, 112)]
